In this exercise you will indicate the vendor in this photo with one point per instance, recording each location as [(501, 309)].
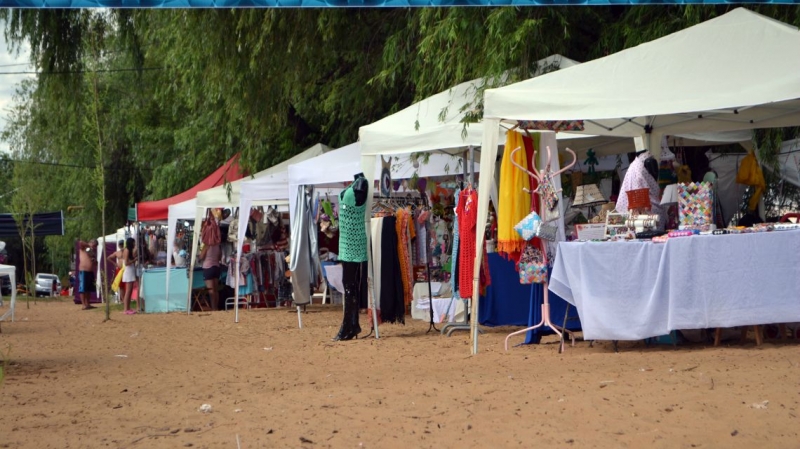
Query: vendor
[(178, 254), (642, 174)]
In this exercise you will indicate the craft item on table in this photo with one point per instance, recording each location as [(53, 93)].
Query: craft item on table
[(592, 231), (532, 267), (515, 203), (604, 210), (763, 227), (642, 223), (786, 226), (661, 239), (528, 228), (695, 205), (682, 233), (551, 125), (616, 224)]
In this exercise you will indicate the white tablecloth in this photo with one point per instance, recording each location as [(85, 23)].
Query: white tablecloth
[(445, 308), (636, 290)]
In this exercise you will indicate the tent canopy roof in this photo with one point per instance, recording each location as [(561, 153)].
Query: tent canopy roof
[(218, 196), (159, 210), (436, 123), (731, 72)]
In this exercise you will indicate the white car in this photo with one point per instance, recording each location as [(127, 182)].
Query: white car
[(44, 284)]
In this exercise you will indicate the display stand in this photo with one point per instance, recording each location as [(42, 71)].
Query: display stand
[(541, 179)]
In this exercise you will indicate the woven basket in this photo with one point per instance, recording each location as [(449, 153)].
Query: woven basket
[(639, 199)]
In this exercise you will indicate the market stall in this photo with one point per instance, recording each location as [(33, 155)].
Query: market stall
[(441, 123), (228, 196), (684, 83)]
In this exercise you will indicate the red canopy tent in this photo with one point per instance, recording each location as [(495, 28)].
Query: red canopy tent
[(159, 210)]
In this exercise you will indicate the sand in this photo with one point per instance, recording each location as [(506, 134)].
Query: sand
[(74, 381)]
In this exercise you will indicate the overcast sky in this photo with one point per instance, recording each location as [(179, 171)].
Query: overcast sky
[(8, 83)]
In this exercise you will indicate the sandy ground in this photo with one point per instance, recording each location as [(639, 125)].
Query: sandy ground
[(74, 381)]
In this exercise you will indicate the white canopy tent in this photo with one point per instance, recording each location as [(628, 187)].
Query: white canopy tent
[(219, 197), (691, 81), (11, 272)]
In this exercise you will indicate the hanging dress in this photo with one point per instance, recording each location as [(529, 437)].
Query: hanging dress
[(467, 224)]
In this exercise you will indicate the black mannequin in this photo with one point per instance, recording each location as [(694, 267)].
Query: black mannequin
[(650, 164), (360, 188), (352, 236)]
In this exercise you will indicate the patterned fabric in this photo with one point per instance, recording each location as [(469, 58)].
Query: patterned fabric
[(695, 205), (404, 253), (467, 223), (637, 177), (352, 230)]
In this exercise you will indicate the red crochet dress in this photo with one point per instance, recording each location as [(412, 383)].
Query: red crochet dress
[(467, 222)]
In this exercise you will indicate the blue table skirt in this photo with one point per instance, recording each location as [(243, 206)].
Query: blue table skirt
[(154, 285), (509, 303)]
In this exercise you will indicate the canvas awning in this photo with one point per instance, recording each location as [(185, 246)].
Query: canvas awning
[(159, 210), (228, 196), (733, 72)]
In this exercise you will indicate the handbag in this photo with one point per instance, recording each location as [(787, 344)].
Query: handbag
[(256, 214), (532, 266), (695, 205), (210, 234), (528, 228), (547, 231)]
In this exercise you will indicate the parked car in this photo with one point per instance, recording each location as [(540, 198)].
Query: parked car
[(44, 284)]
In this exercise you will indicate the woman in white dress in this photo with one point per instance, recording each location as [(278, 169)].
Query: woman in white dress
[(129, 274)]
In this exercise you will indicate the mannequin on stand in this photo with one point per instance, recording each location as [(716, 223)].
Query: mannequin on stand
[(353, 254)]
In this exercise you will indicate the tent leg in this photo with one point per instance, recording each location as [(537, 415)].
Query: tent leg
[(299, 318)]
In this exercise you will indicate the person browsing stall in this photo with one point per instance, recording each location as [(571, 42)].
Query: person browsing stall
[(210, 255)]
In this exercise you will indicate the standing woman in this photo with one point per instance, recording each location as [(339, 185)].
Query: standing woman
[(210, 255), (129, 274)]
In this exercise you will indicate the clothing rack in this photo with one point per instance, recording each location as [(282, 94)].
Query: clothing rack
[(394, 202)]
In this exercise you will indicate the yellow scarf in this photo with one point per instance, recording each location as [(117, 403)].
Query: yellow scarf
[(750, 174), (515, 204)]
